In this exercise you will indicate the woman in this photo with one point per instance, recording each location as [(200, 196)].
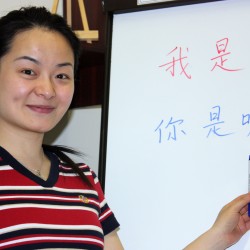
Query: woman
[(46, 200)]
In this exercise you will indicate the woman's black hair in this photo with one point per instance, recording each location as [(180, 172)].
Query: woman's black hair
[(28, 18), (61, 152)]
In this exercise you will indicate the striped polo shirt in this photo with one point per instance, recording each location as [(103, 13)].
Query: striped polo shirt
[(59, 213)]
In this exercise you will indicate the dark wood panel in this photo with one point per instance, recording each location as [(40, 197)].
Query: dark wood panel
[(89, 85)]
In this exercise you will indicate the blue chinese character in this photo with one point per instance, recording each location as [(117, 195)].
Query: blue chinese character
[(214, 126), (246, 120), (170, 129)]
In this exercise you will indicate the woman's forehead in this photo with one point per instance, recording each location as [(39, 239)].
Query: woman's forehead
[(41, 42)]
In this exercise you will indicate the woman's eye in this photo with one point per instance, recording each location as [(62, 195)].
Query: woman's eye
[(28, 72), (62, 76)]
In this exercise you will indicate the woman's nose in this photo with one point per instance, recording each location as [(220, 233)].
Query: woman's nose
[(45, 88)]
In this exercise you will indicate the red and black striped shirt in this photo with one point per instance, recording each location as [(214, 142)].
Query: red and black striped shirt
[(61, 212)]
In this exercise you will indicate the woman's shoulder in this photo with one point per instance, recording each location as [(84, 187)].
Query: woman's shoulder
[(83, 167)]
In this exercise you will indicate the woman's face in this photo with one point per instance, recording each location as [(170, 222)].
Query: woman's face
[(36, 81)]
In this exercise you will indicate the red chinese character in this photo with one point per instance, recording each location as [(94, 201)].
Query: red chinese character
[(221, 59), (172, 64)]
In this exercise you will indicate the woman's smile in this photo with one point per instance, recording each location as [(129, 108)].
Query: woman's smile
[(42, 109)]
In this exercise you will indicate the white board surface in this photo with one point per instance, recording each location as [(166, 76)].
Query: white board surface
[(179, 120)]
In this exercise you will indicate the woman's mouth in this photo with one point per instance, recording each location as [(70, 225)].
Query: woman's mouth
[(42, 109)]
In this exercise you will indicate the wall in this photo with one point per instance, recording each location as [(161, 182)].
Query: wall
[(6, 5), (80, 129)]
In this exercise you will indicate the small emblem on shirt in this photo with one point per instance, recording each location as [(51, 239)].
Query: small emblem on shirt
[(83, 199)]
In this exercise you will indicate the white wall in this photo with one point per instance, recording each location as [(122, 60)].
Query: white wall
[(6, 5), (81, 126), (80, 129)]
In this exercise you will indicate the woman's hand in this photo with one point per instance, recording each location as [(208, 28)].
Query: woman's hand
[(233, 220), (231, 224)]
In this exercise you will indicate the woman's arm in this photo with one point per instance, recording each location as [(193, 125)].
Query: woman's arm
[(112, 241), (231, 224)]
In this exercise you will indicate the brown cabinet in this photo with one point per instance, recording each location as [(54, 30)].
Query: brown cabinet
[(91, 74)]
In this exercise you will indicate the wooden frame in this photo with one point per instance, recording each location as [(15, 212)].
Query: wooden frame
[(86, 34), (122, 6)]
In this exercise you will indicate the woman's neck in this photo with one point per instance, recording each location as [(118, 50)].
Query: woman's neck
[(27, 149), (19, 141)]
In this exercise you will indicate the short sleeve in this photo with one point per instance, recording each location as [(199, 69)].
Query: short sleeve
[(107, 218)]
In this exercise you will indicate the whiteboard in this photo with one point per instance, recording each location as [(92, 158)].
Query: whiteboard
[(178, 136)]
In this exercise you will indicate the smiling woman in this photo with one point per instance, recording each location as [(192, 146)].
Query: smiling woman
[(38, 60)]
